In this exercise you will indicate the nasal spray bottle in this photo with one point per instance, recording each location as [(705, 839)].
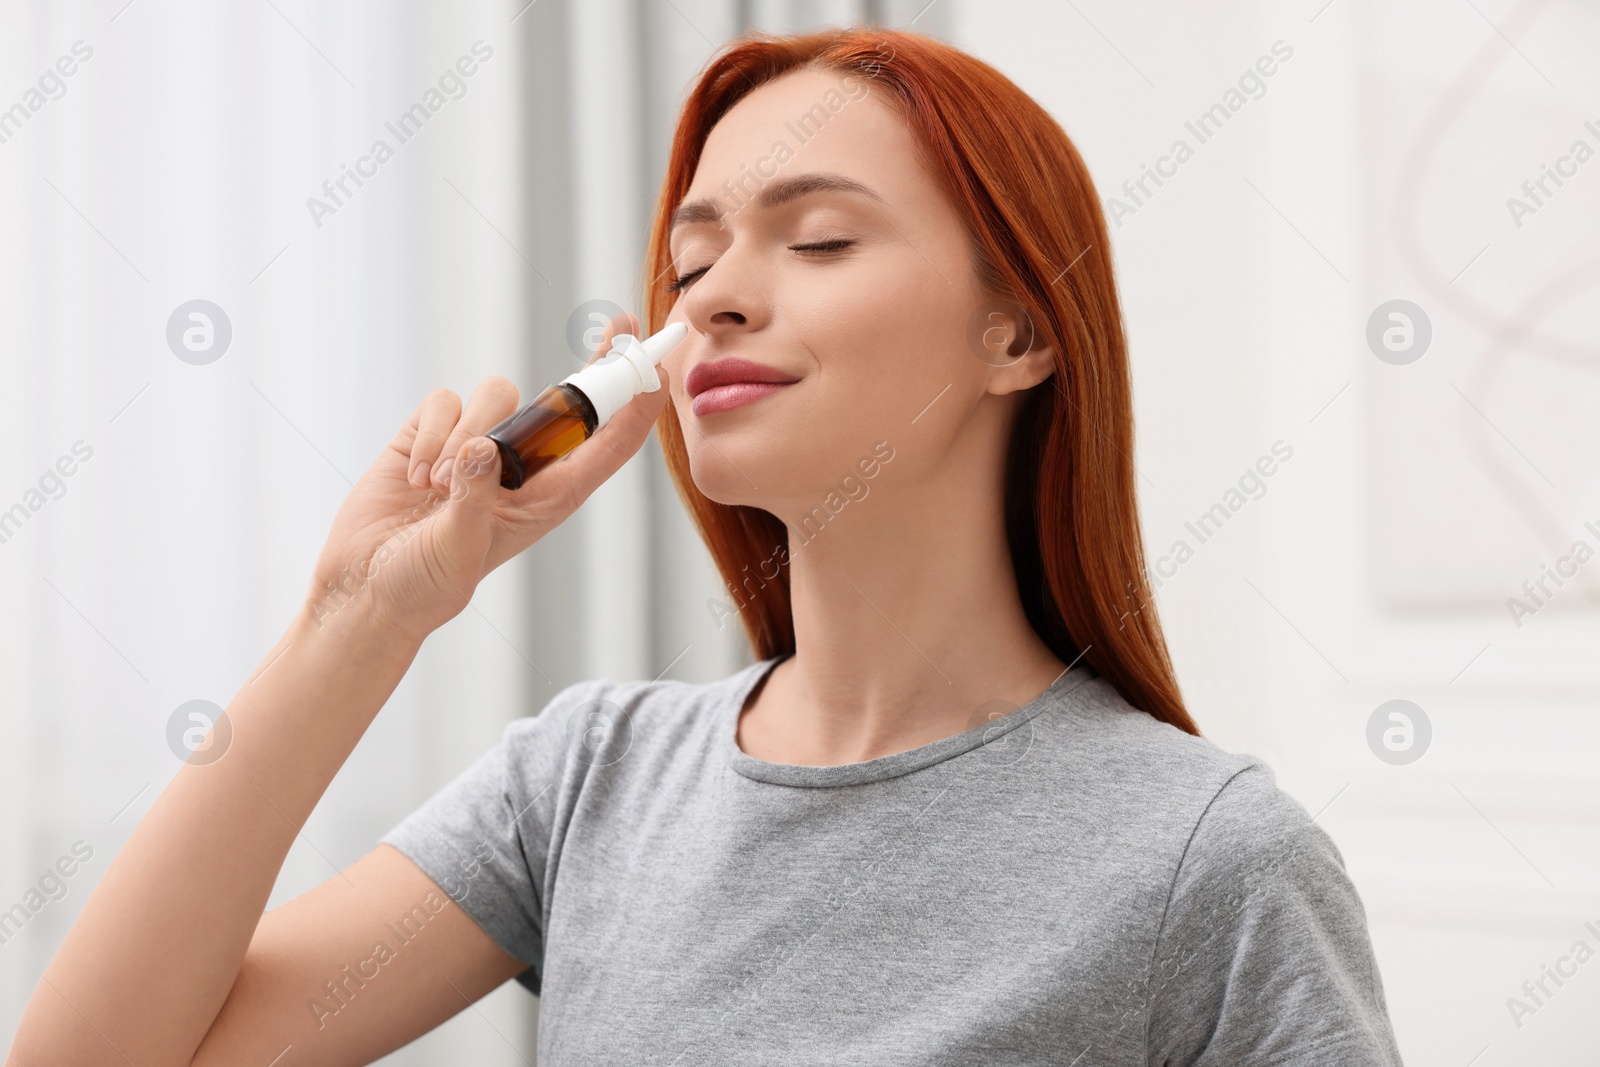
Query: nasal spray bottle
[(564, 416)]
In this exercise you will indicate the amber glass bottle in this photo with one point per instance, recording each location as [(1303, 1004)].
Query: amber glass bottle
[(563, 416), (551, 425)]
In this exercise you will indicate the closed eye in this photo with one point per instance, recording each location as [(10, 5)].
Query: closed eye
[(834, 244), (680, 280), (837, 244)]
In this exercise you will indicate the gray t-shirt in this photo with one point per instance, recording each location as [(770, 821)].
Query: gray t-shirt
[(1069, 883)]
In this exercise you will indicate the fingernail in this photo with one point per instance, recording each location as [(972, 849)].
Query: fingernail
[(445, 470), (419, 475)]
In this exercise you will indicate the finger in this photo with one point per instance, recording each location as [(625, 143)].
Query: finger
[(621, 323), (493, 400), (474, 488), (423, 435)]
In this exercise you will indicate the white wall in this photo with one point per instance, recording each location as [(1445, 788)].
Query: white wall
[(1378, 562)]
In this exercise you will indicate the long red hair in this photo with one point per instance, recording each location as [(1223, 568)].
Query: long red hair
[(1039, 241)]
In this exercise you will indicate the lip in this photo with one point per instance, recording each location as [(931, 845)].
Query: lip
[(734, 395), (730, 382)]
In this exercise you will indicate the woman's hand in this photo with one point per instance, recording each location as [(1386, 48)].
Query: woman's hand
[(429, 519)]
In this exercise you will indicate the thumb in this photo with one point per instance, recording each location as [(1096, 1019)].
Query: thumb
[(474, 488)]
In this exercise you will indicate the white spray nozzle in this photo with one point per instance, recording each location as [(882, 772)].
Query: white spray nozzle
[(628, 369)]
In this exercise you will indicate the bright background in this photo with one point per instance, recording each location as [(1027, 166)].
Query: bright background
[(1376, 165)]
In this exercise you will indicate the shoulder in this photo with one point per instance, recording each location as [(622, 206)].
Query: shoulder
[(596, 721), (1259, 908), (1238, 818), (1151, 771), (1264, 951), (1253, 828), (1096, 710)]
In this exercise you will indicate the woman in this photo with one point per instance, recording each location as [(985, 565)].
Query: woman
[(955, 813)]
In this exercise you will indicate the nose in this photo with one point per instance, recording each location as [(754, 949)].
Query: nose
[(726, 298)]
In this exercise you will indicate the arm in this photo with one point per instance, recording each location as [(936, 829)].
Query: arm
[(168, 956), (171, 963), (328, 974)]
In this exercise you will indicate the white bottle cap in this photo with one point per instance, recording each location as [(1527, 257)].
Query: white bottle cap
[(626, 371)]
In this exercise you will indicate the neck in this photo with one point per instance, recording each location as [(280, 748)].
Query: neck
[(908, 623)]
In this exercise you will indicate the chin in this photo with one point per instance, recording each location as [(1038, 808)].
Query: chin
[(761, 465), (731, 475)]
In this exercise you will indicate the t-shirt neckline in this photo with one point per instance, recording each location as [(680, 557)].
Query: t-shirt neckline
[(873, 770)]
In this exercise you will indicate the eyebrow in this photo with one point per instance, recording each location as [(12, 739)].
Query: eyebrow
[(774, 194)]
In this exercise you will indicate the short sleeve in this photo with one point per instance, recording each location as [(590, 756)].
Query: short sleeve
[(1264, 956), (485, 836)]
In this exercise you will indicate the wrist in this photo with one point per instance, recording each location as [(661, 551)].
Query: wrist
[(353, 624)]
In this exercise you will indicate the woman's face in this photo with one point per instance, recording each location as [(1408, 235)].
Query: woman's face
[(813, 242)]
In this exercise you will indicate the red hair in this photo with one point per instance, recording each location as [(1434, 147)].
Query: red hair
[(1039, 241)]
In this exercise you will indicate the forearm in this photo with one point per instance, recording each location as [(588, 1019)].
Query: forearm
[(147, 965)]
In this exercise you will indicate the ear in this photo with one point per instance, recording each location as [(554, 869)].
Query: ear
[(1018, 358)]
